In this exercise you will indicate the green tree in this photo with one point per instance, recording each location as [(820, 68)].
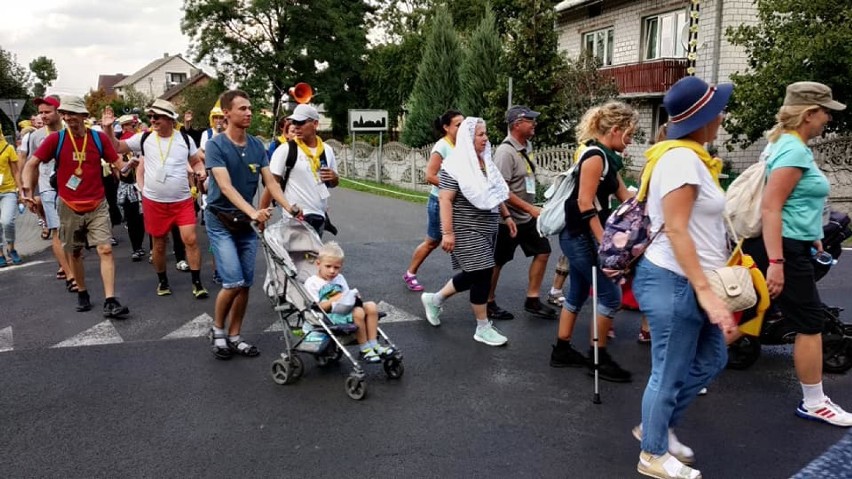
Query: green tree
[(45, 72), (200, 99), (97, 100), (14, 81), (533, 62), (583, 87), (390, 73), (267, 46), (481, 69), (437, 86), (793, 40)]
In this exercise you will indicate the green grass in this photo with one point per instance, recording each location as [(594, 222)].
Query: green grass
[(382, 189)]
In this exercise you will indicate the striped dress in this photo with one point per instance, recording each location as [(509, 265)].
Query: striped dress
[(475, 230)]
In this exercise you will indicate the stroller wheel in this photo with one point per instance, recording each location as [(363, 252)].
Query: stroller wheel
[(837, 355), (297, 365), (283, 372), (394, 367), (743, 352), (356, 388), (331, 356)]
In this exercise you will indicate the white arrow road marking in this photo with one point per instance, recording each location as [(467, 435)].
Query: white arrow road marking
[(196, 328), (101, 333), (395, 315), (6, 343)]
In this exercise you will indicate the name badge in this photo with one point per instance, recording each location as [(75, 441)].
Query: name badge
[(530, 184), (73, 182), (161, 175)]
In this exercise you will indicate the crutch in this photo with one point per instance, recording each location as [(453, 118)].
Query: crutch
[(596, 398)]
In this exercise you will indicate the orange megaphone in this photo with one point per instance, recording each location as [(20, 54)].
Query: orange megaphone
[(302, 92)]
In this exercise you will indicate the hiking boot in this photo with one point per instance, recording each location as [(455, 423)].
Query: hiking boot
[(433, 313), (114, 309), (163, 288), (565, 356), (680, 451), (497, 313), (826, 412), (83, 303), (608, 370), (490, 335), (665, 466), (535, 307)]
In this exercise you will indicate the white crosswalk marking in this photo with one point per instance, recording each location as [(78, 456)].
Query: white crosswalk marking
[(101, 333), (277, 326), (395, 315), (12, 267), (199, 326), (6, 343)]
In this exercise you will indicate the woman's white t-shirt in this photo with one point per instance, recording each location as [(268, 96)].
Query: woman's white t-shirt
[(676, 168)]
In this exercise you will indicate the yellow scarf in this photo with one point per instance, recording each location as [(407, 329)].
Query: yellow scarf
[(315, 157), (653, 155)]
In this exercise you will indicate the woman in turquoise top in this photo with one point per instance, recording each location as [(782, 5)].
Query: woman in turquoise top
[(447, 126), (792, 208)]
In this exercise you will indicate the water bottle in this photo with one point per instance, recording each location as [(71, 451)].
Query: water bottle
[(823, 257), (21, 208)]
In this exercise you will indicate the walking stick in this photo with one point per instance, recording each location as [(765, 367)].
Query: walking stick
[(596, 398)]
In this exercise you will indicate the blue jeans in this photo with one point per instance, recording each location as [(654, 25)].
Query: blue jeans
[(234, 253), (687, 351), (582, 254), (8, 212), (433, 219)]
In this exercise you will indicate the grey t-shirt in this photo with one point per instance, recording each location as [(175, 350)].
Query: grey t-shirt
[(44, 169), (515, 171)]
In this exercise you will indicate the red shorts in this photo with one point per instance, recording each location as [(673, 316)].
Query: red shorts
[(160, 217)]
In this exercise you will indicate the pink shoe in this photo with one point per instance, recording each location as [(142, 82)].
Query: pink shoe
[(411, 282)]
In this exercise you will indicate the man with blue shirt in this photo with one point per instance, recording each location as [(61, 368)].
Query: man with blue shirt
[(237, 162)]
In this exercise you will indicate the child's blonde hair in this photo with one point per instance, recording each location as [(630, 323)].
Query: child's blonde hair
[(789, 117), (599, 120), (330, 250)]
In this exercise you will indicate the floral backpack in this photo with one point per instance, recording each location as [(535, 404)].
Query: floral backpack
[(626, 235)]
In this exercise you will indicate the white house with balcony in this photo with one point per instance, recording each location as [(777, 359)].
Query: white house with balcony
[(159, 76), (642, 44)]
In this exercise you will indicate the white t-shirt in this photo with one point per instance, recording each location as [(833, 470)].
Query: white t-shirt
[(304, 187), (679, 167), (166, 180), (206, 136), (314, 284)]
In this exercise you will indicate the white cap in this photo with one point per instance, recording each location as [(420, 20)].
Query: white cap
[(304, 112)]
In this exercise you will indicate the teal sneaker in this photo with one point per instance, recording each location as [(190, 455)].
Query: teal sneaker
[(490, 335), (16, 259), (433, 313)]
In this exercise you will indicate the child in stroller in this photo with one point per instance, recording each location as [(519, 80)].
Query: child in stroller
[(343, 305)]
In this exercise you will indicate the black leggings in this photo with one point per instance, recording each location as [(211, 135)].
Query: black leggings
[(478, 282), (135, 224)]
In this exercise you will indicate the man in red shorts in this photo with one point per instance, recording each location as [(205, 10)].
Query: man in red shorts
[(166, 198)]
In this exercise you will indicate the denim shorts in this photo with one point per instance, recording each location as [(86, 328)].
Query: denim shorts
[(581, 251), (433, 218), (48, 203), (234, 253)]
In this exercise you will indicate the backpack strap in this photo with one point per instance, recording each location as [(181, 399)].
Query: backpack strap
[(97, 137), (523, 153), (292, 154), (186, 140), (142, 141), (59, 143)]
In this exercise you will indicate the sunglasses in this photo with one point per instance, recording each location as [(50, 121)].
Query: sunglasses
[(299, 122), (156, 117)]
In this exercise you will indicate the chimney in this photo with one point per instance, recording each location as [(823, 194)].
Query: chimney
[(166, 55)]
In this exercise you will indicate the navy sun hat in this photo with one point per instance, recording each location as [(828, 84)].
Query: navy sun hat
[(692, 103)]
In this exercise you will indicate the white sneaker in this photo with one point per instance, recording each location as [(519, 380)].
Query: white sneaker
[(433, 313), (490, 335), (826, 412), (182, 265), (680, 451), (665, 467)]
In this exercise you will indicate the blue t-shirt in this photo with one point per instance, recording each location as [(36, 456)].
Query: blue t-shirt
[(801, 216), (243, 163)]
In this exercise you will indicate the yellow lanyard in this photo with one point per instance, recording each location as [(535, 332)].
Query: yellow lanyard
[(168, 149), (313, 157), (79, 156)]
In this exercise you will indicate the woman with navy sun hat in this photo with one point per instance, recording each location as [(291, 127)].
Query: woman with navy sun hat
[(684, 199)]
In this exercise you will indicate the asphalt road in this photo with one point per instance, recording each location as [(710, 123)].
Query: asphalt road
[(140, 405)]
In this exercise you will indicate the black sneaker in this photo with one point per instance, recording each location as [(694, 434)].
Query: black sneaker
[(83, 303), (608, 370), (497, 313), (535, 307), (565, 356), (113, 309), (137, 255)]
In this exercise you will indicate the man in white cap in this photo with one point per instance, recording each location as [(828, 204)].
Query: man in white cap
[(312, 174), (166, 197), (83, 210)]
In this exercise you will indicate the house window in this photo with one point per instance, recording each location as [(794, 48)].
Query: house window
[(665, 34), (175, 78), (600, 44), (661, 116)]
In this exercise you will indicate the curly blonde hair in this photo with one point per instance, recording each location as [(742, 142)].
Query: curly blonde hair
[(599, 120)]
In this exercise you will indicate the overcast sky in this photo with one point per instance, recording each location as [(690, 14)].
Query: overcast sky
[(86, 38)]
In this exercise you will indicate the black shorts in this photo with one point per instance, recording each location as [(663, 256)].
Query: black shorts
[(799, 301), (528, 238)]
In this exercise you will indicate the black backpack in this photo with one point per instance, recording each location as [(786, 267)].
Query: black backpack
[(148, 133)]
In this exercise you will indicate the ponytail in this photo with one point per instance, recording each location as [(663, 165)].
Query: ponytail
[(444, 121)]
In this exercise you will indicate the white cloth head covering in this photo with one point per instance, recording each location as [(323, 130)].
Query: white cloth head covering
[(484, 191)]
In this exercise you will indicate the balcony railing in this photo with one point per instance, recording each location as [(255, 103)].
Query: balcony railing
[(648, 77)]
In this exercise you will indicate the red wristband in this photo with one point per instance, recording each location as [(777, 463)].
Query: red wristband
[(776, 261)]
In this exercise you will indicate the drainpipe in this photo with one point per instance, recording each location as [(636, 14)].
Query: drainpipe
[(717, 43)]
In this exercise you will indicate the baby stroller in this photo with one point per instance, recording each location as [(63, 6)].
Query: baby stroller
[(836, 335), (291, 248)]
